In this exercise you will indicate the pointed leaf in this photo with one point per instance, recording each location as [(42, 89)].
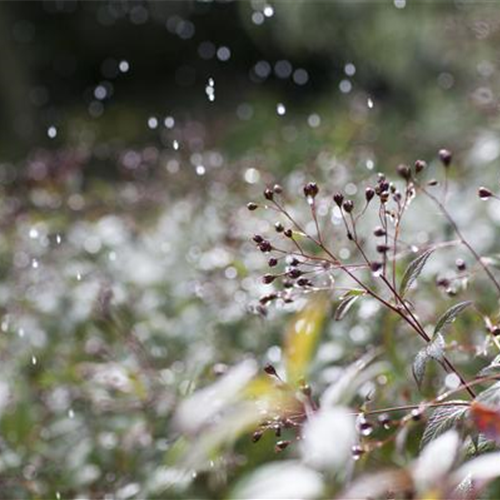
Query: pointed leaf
[(344, 306), (413, 271), (419, 366), (302, 337), (491, 369), (450, 315), (443, 419)]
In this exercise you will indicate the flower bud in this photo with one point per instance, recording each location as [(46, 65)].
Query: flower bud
[(369, 194), (269, 194), (338, 198), (484, 193), (272, 262), (279, 227), (445, 156), (348, 206), (267, 279), (252, 206), (404, 171), (311, 190), (277, 189), (420, 165), (379, 231)]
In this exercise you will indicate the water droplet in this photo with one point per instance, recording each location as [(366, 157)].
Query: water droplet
[(369, 102), (58, 239), (78, 277), (281, 109), (169, 122), (20, 332), (210, 90), (34, 264), (33, 360), (175, 145), (71, 413), (200, 170), (52, 132), (152, 122), (33, 233), (268, 11), (124, 66), (58, 495)]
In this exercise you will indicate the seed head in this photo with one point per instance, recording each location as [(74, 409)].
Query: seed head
[(369, 194), (348, 206), (277, 189), (445, 156), (269, 194), (272, 262), (484, 193), (270, 370), (258, 238), (267, 279), (288, 233), (404, 171), (281, 445), (420, 165), (279, 227), (379, 231), (252, 206), (461, 265), (265, 246), (311, 190), (338, 198), (382, 248)]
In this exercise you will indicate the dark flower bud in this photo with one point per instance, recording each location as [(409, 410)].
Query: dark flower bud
[(382, 248), (484, 193), (256, 436), (420, 165), (404, 171), (267, 279), (311, 190), (416, 415), (277, 189), (461, 265), (357, 452), (279, 227), (267, 298), (384, 186), (288, 233), (445, 156), (270, 370), (443, 282), (258, 238), (281, 445), (433, 182), (252, 206), (379, 231), (269, 194), (294, 273), (375, 267), (287, 284), (338, 198), (495, 330), (369, 194), (348, 206), (272, 262), (265, 246), (304, 282), (294, 262)]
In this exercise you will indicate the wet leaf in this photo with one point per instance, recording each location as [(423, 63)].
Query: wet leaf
[(442, 419), (450, 315), (413, 271), (433, 350)]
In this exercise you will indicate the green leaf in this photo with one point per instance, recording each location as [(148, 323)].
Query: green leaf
[(413, 271), (433, 350), (344, 306), (450, 315), (491, 369), (443, 419), (419, 366)]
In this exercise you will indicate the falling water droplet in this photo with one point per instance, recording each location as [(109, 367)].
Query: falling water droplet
[(58, 239), (210, 90), (78, 277), (34, 264), (52, 132), (71, 413), (370, 103), (33, 233), (33, 360), (175, 145)]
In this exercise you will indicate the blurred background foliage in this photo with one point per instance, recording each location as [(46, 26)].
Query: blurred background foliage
[(127, 272)]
